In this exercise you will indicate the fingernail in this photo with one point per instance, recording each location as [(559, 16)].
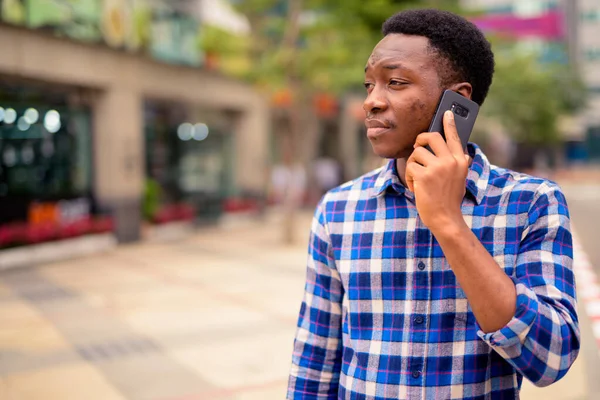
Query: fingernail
[(449, 114)]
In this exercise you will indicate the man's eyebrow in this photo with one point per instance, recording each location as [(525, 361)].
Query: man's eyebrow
[(390, 67), (395, 66)]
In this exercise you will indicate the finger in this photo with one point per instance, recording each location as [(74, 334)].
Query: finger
[(422, 156), (413, 173), (452, 138), (435, 141)]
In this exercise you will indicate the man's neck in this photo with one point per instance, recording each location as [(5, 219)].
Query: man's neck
[(401, 168)]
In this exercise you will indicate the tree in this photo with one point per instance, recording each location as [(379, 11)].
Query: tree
[(528, 98), (307, 47)]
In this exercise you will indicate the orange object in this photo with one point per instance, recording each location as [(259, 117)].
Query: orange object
[(282, 98), (325, 105), (41, 213)]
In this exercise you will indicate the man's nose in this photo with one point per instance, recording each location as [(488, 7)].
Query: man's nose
[(375, 101)]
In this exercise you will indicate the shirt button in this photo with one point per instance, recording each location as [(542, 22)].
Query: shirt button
[(416, 374), (419, 320), (421, 265)]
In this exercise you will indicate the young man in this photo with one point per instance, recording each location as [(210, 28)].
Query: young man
[(439, 276)]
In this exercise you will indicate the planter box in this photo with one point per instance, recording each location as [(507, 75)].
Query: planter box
[(59, 250)]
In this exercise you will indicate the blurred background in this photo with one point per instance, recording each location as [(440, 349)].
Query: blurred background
[(160, 160)]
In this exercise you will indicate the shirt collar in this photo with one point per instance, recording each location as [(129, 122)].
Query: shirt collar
[(477, 178)]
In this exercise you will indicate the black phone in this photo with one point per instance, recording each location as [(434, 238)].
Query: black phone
[(465, 113)]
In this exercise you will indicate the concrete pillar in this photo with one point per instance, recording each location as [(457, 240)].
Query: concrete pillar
[(251, 148), (119, 158)]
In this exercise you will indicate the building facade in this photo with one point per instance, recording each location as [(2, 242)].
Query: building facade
[(587, 21), (574, 36), (89, 119)]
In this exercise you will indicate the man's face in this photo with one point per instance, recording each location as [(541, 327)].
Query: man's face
[(403, 90)]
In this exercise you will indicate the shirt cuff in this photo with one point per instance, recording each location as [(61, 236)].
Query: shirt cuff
[(517, 329)]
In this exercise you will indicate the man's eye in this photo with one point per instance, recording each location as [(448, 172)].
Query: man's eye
[(368, 85), (397, 83)]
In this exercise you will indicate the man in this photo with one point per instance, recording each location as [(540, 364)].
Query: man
[(439, 276)]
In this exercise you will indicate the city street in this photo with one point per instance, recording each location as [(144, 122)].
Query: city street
[(210, 316), (148, 148)]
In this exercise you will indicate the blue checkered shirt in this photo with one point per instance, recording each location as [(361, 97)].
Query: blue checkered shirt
[(383, 316)]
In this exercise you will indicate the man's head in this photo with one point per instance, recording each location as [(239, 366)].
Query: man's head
[(423, 53)]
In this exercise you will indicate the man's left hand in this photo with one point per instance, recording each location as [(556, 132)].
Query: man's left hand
[(438, 179)]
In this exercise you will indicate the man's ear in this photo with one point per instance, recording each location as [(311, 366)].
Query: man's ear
[(464, 88)]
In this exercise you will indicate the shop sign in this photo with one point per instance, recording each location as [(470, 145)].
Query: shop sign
[(155, 28), (174, 38), (62, 212), (548, 26)]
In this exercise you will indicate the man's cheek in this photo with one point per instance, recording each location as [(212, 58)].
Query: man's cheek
[(422, 114)]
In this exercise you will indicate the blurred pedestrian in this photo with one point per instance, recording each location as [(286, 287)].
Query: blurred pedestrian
[(439, 275), (288, 183), (327, 174)]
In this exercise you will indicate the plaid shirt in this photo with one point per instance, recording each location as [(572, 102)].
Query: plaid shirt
[(383, 316)]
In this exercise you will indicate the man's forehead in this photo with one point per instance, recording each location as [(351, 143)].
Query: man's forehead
[(400, 48)]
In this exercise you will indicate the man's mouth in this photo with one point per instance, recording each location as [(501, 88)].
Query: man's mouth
[(376, 127), (375, 132)]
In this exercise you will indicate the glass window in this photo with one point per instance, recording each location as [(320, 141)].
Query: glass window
[(189, 157), (45, 150)]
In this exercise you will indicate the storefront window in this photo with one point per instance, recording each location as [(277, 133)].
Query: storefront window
[(189, 157), (45, 150)]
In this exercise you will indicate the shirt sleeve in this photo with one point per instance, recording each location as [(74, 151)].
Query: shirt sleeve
[(542, 339), (317, 356)]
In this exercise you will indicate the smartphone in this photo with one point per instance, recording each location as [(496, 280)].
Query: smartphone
[(465, 113)]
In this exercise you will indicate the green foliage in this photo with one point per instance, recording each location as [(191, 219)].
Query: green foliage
[(528, 97), (232, 50), (151, 201), (215, 39), (334, 41)]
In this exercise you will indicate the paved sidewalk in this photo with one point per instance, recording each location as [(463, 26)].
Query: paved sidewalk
[(209, 317)]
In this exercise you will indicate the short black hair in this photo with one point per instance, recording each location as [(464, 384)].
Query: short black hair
[(467, 53)]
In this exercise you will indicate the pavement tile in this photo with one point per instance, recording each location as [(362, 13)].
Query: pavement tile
[(241, 280), (156, 297), (23, 329), (5, 292), (244, 361), (95, 275), (275, 391), (15, 362), (201, 313), (152, 376), (285, 304), (75, 381), (81, 324)]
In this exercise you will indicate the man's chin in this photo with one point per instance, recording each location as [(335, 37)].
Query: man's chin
[(386, 152)]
